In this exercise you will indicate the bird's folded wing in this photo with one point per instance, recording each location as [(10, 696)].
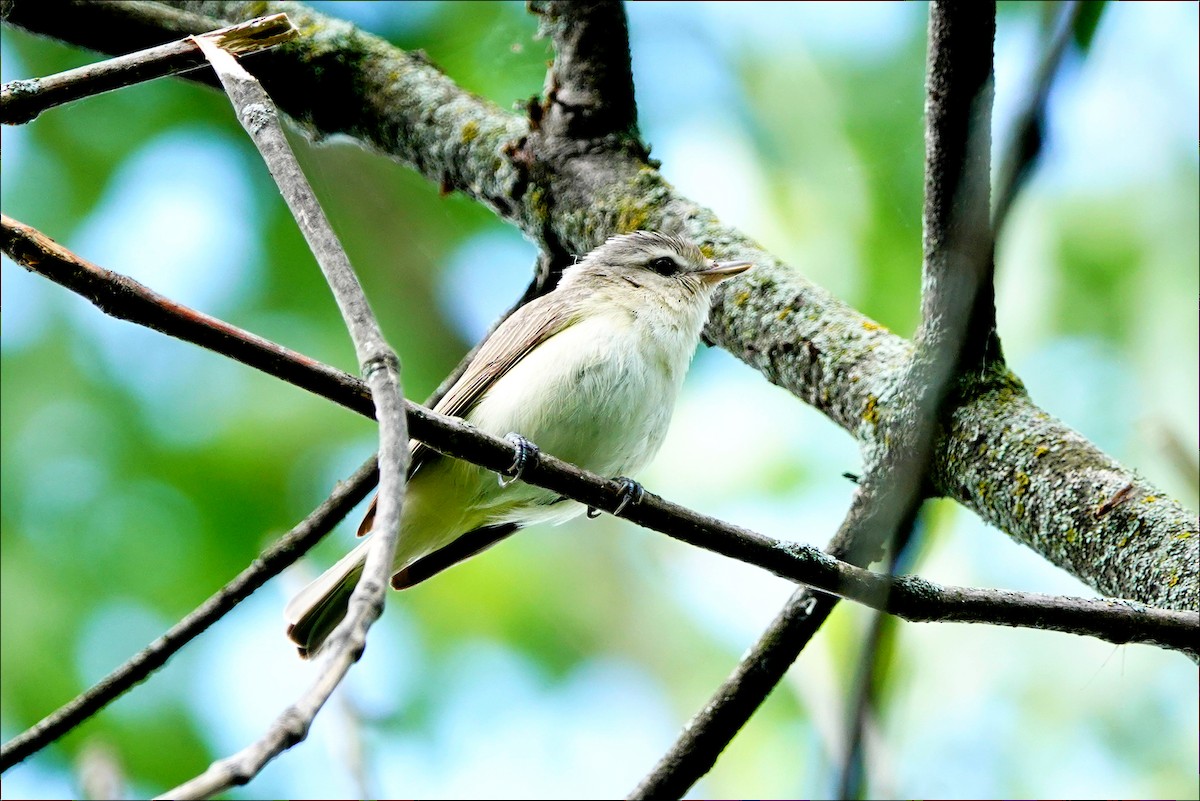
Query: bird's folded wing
[(523, 330)]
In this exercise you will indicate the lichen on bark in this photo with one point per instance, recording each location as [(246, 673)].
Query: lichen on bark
[(998, 454)]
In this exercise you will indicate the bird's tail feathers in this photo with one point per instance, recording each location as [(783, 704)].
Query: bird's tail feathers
[(318, 608)]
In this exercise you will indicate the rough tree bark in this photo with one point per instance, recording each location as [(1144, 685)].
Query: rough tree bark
[(998, 454)]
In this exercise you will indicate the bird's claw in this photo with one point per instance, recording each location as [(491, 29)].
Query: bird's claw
[(526, 453), (631, 492)]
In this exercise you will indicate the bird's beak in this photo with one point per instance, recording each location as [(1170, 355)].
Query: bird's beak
[(721, 270)]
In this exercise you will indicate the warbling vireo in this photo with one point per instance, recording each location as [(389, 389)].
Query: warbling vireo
[(589, 372)]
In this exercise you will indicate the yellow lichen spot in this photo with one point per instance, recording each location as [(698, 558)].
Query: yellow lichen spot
[(1121, 542), (871, 325), (537, 202), (1185, 535), (785, 313), (1022, 483), (1040, 451), (1150, 499), (470, 131), (740, 298), (307, 30), (1173, 579), (708, 251), (871, 413), (1072, 535), (632, 216)]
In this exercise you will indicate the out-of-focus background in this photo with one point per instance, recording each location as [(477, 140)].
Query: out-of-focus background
[(140, 473)]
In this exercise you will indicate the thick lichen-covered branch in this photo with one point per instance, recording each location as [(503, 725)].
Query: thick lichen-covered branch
[(1030, 475), (126, 299), (994, 455), (335, 80)]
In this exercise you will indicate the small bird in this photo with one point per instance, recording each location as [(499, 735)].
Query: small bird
[(589, 372)]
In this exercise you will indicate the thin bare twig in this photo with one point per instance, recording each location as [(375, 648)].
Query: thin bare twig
[(126, 299), (23, 100), (269, 564), (957, 337), (764, 665), (1021, 154), (830, 356), (122, 297), (756, 674), (957, 309), (455, 438), (1025, 141), (860, 706), (381, 369)]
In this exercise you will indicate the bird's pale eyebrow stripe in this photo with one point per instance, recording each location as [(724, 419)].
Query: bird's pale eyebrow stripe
[(663, 253)]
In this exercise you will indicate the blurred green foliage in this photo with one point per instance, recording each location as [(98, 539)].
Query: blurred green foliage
[(121, 512)]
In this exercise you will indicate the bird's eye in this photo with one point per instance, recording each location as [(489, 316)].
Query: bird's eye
[(664, 265)]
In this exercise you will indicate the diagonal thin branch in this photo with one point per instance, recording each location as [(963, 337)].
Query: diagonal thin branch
[(860, 707), (956, 305), (1021, 154), (1025, 142), (23, 100), (124, 298), (381, 369), (1020, 469), (755, 676), (957, 337), (269, 564), (801, 563)]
